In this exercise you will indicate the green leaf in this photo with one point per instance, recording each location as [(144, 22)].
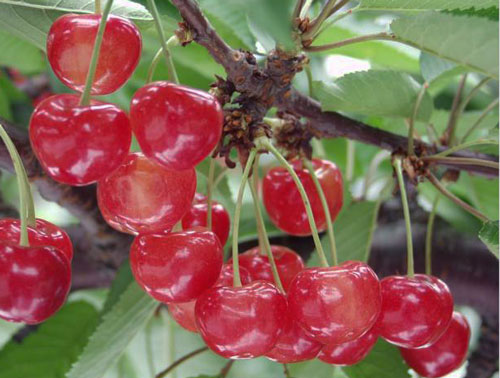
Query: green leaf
[(5, 111), (31, 19), (468, 41), (425, 4), (484, 195), (121, 282), (490, 13), (433, 68), (19, 54), (53, 347), (117, 328), (380, 93), (489, 236), (384, 361)]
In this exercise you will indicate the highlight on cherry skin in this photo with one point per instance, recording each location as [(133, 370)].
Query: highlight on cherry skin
[(70, 42), (349, 353)]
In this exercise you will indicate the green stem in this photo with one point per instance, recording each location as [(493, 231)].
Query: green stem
[(172, 73), (328, 217), (297, 9), (312, 223), (225, 370), (309, 76), (420, 96), (428, 236), (172, 41), (286, 372), (335, 19), (236, 220), (210, 187), (471, 95), (260, 225), (275, 123), (466, 145), (176, 363), (349, 169), (462, 161), (372, 169), (483, 115), (318, 21), (85, 99), (221, 175), (305, 8), (406, 211), (452, 121), (262, 231), (384, 36)]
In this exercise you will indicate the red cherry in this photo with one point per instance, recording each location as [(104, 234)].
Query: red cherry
[(288, 262), (69, 49), (294, 344), (183, 313), (78, 145), (34, 282), (143, 197), (447, 354), (241, 322), (337, 304), (45, 234), (176, 126), (349, 353), (284, 204), (197, 216), (176, 267), (415, 311)]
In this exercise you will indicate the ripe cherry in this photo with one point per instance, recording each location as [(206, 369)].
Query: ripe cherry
[(288, 262), (415, 310), (69, 49), (183, 313), (447, 354), (284, 204), (241, 322), (176, 126), (337, 304), (178, 266), (349, 353), (78, 145), (45, 234), (197, 216), (34, 282), (144, 197)]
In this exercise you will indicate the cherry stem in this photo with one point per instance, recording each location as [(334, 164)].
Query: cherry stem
[(312, 223), (255, 196), (210, 187), (172, 41), (177, 227), (172, 73), (324, 203), (85, 99), (384, 36), (483, 115), (225, 369), (305, 8), (461, 161), (350, 154), (236, 220), (406, 211), (97, 7), (466, 145), (261, 228), (454, 113), (176, 363), (372, 169), (296, 10), (411, 130), (26, 205), (318, 21), (286, 372), (335, 19), (428, 236)]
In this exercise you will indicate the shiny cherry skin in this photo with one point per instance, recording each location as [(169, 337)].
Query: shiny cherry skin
[(284, 204), (183, 313), (415, 311), (69, 49), (178, 266), (45, 234), (176, 126), (197, 216), (144, 197), (79, 145), (447, 354), (349, 353), (241, 322), (294, 344), (34, 282), (288, 262), (335, 304)]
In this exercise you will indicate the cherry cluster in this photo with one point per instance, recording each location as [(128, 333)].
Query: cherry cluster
[(333, 313)]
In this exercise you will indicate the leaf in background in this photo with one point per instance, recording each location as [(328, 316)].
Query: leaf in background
[(490, 13), (31, 19), (468, 41), (5, 111), (489, 236), (484, 194), (433, 68), (51, 349), (381, 93), (121, 282), (384, 361), (425, 4), (19, 54)]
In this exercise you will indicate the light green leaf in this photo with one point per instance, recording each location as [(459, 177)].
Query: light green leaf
[(468, 41), (433, 68), (117, 328), (31, 19), (384, 361), (426, 4), (51, 349), (19, 54), (489, 236), (380, 93), (484, 195)]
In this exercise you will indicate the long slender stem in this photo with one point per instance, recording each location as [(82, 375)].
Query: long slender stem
[(176, 363), (210, 187), (452, 121), (305, 8), (428, 236), (328, 217), (466, 145), (471, 95), (420, 96), (297, 9), (312, 223), (372, 169), (85, 98), (172, 73), (483, 115), (236, 220), (338, 6), (172, 41), (461, 161), (369, 37), (434, 181), (260, 224), (225, 370), (309, 76), (406, 211), (318, 21), (349, 169), (335, 19), (286, 372)]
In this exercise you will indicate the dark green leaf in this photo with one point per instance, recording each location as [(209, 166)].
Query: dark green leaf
[(489, 236), (425, 4), (490, 13), (121, 282)]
